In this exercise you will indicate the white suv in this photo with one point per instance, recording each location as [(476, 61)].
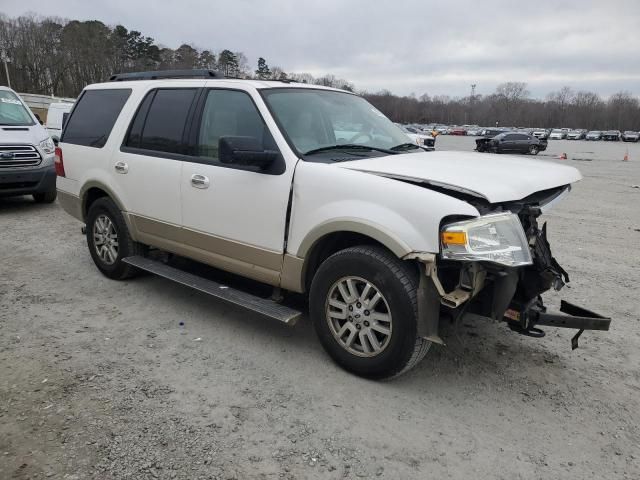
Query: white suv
[(310, 190)]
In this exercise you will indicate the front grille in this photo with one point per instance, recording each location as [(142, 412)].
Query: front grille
[(12, 156)]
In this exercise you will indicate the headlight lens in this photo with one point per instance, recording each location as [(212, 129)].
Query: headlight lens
[(47, 146), (495, 238)]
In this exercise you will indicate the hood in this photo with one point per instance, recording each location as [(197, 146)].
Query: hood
[(497, 178), (32, 134)]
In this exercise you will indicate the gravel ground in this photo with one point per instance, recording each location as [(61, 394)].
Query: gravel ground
[(99, 379)]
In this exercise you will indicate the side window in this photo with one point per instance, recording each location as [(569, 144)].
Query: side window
[(509, 138), (94, 115), (135, 130), (159, 124), (230, 113), (165, 124)]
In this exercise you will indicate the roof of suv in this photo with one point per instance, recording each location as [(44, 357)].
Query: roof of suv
[(257, 84)]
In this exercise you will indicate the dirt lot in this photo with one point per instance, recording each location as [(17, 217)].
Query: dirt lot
[(99, 379)]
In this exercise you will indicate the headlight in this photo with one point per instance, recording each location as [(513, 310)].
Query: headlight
[(495, 238), (47, 146)]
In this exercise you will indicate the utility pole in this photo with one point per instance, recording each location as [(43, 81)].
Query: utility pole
[(471, 99), (5, 59)]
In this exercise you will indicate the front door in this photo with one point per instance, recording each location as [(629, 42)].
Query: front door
[(234, 217)]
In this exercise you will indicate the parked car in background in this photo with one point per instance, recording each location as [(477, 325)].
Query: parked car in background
[(442, 129), (576, 134), (423, 140), (594, 135), (26, 151), (56, 118), (612, 135), (457, 131), (540, 133), (474, 130), (630, 136), (511, 142), (557, 134)]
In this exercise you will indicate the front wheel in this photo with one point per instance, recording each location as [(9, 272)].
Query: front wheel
[(533, 149), (363, 304), (109, 240)]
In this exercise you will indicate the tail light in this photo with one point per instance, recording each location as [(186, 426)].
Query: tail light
[(59, 163)]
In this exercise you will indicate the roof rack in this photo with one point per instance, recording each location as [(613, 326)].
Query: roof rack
[(161, 74)]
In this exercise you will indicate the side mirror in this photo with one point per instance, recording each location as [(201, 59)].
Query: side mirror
[(247, 151)]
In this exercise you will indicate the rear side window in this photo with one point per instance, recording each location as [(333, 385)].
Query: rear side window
[(94, 115), (159, 124)]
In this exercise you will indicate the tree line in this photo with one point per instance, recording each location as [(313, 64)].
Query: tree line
[(511, 105), (52, 56)]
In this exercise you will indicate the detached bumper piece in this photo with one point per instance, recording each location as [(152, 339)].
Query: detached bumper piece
[(526, 319)]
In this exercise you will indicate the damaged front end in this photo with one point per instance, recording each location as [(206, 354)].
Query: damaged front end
[(498, 266)]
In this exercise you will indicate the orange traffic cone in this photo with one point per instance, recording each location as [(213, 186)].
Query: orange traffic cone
[(563, 156), (626, 156)]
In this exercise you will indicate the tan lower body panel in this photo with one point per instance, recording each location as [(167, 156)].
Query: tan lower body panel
[(71, 204), (235, 257)]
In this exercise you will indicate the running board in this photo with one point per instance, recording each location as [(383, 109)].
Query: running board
[(260, 305)]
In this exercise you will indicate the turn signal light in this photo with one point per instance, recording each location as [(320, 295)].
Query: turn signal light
[(454, 238), (59, 163)]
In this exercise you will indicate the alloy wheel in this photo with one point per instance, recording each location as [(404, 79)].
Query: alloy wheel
[(105, 239), (359, 316)]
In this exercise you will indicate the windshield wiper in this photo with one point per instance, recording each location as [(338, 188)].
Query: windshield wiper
[(405, 146), (350, 146)]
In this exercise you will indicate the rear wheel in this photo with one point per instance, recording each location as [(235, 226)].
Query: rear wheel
[(46, 197), (109, 240), (533, 149), (364, 308)]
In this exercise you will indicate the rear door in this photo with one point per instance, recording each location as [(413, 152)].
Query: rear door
[(522, 142), (234, 217), (149, 163), (508, 143)]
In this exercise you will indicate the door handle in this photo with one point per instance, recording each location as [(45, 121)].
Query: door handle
[(121, 167), (199, 181)]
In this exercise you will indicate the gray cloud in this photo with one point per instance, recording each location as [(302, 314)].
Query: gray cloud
[(404, 46)]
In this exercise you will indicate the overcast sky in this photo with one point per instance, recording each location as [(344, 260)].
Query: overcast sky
[(412, 46)]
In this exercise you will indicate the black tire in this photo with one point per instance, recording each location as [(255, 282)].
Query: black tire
[(533, 149), (118, 270), (397, 281), (46, 197)]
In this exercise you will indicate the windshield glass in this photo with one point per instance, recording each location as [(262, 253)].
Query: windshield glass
[(12, 111), (314, 119)]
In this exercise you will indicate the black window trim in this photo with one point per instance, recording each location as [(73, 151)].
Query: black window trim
[(77, 102), (192, 130)]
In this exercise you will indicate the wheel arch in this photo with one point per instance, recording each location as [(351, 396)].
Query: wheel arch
[(93, 190), (328, 239)]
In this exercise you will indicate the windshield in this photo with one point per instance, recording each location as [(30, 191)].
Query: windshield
[(12, 111), (315, 119)]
